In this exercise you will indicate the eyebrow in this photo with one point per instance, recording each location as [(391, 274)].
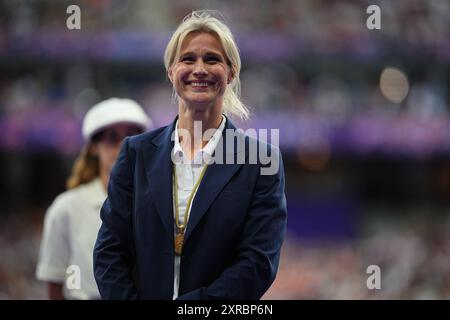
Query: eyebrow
[(207, 54), (213, 54)]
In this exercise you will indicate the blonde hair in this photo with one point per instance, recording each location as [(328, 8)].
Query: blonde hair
[(203, 21), (85, 168)]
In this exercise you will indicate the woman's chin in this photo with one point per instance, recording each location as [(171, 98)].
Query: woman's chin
[(199, 102)]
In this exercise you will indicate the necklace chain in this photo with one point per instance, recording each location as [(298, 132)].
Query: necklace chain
[(181, 228)]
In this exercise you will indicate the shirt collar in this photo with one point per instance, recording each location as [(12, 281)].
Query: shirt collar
[(206, 152)]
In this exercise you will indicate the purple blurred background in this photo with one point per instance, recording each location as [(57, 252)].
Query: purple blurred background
[(363, 118)]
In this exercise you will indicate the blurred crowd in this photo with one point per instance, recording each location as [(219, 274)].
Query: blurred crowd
[(326, 21), (44, 109), (310, 68), (20, 236), (412, 255)]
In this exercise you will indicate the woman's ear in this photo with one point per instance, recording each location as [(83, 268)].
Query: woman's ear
[(230, 76), (230, 79)]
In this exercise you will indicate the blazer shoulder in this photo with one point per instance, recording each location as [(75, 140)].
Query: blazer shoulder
[(251, 141), (135, 142)]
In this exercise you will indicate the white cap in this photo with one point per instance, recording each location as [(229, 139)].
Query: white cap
[(114, 111)]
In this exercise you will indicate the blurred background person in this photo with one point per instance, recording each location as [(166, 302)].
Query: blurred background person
[(73, 220)]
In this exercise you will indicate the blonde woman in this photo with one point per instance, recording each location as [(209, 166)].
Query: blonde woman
[(179, 221), (73, 220)]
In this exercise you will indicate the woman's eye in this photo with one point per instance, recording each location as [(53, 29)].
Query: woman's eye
[(212, 60), (187, 59)]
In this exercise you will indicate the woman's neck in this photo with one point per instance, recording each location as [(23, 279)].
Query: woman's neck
[(191, 119)]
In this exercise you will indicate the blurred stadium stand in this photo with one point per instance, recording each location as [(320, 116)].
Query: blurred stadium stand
[(366, 155)]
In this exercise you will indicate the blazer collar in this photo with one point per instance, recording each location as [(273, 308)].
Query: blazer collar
[(159, 174)]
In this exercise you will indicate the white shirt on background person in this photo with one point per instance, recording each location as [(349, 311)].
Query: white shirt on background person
[(71, 226)]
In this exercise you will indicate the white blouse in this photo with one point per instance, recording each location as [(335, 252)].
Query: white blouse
[(70, 231), (188, 172)]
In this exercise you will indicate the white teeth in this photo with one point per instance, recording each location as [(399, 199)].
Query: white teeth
[(199, 84)]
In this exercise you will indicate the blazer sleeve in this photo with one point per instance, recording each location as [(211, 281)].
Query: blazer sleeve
[(258, 255), (114, 253)]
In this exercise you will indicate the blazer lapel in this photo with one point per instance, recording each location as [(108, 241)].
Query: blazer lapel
[(215, 178), (159, 175)]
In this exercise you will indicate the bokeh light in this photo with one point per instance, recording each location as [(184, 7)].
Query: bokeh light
[(394, 84)]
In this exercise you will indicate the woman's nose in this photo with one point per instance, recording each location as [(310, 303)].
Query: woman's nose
[(200, 68)]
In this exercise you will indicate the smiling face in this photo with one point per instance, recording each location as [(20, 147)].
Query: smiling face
[(200, 72)]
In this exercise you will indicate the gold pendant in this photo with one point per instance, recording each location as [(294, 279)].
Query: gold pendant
[(179, 238)]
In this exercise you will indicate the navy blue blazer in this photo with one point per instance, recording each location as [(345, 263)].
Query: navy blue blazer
[(233, 238)]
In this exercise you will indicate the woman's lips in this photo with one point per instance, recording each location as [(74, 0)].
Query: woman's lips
[(200, 84)]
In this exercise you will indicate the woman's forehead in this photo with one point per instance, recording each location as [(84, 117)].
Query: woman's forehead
[(201, 41)]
